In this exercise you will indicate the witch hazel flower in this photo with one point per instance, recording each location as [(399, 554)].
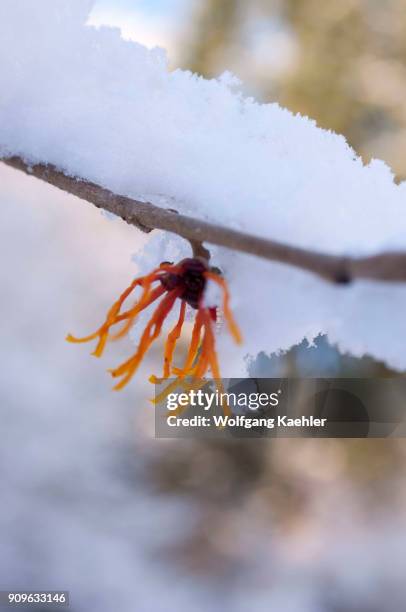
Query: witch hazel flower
[(169, 285)]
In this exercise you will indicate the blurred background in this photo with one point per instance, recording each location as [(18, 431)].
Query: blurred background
[(91, 502)]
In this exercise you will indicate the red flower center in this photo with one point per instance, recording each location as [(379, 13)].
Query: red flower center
[(190, 280)]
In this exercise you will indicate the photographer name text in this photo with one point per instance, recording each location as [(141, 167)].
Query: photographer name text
[(245, 421)]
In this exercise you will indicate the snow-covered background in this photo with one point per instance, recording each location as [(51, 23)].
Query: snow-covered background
[(90, 502)]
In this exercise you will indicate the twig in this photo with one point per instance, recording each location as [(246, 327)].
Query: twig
[(199, 250), (388, 266)]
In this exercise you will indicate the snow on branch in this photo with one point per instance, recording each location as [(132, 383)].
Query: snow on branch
[(244, 177), (145, 216)]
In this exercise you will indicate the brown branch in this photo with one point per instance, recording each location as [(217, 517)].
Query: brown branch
[(389, 266)]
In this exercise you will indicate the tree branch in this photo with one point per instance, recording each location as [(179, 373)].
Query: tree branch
[(389, 266)]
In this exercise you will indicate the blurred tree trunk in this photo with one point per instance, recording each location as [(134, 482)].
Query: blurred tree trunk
[(215, 26)]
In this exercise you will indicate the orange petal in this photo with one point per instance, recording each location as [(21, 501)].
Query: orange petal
[(193, 348), (74, 340), (232, 325), (173, 337), (131, 314), (150, 334), (113, 313)]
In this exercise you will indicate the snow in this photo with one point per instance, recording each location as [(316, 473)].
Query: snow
[(109, 110)]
